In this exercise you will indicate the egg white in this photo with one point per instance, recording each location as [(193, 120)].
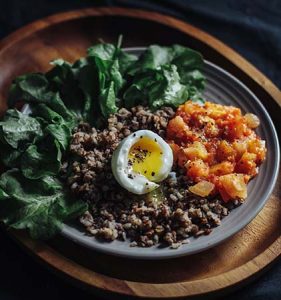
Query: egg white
[(124, 174)]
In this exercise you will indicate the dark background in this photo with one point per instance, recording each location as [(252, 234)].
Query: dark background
[(252, 28)]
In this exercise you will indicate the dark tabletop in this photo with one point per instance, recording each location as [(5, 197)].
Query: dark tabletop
[(252, 28)]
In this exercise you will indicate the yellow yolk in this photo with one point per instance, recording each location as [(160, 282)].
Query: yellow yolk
[(141, 161), (145, 157)]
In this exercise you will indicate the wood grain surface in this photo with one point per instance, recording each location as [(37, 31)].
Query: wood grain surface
[(218, 270)]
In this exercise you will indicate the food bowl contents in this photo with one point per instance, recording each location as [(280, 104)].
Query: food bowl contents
[(111, 141), (217, 148)]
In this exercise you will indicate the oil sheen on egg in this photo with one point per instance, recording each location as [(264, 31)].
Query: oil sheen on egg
[(141, 161)]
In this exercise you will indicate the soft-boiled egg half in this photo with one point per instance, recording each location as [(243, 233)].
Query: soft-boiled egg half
[(141, 161)]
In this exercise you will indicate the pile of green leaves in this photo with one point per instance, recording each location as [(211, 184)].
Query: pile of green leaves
[(34, 144), (165, 76), (31, 195)]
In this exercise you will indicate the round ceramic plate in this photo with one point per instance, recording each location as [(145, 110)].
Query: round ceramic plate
[(223, 88)]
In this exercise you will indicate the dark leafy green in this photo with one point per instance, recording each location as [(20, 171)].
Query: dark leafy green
[(87, 77), (40, 206), (54, 124), (107, 100), (41, 159), (108, 59), (165, 69), (10, 157), (18, 128), (60, 133), (17, 132), (161, 87), (35, 88), (156, 56), (62, 79)]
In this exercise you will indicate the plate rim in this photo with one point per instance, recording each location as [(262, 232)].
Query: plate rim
[(98, 246)]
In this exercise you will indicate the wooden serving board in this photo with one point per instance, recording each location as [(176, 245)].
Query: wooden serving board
[(215, 271)]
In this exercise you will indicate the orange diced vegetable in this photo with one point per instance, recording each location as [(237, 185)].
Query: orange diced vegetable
[(215, 143), (234, 185), (195, 151), (197, 169), (222, 168), (202, 188)]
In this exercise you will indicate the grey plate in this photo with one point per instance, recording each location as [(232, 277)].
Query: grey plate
[(222, 88)]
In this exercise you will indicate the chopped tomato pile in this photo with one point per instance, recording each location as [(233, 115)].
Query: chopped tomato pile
[(218, 148)]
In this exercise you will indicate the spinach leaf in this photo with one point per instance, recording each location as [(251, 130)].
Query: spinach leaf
[(111, 63), (34, 88), (167, 90), (23, 144), (41, 206), (156, 56), (62, 79), (103, 51), (165, 76), (136, 94), (160, 87), (46, 114), (87, 77), (107, 100), (54, 124), (106, 61), (17, 132), (41, 159), (29, 87), (110, 78), (61, 133), (9, 156), (151, 59), (17, 128), (125, 60)]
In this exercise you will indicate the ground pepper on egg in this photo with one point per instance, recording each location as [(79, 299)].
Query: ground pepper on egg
[(139, 155)]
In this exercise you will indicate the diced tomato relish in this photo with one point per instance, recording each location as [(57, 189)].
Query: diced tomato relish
[(216, 143)]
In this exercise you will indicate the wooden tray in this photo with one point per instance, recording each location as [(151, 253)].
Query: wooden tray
[(218, 270)]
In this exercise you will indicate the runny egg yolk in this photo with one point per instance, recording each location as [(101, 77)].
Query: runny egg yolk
[(141, 161), (145, 157)]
